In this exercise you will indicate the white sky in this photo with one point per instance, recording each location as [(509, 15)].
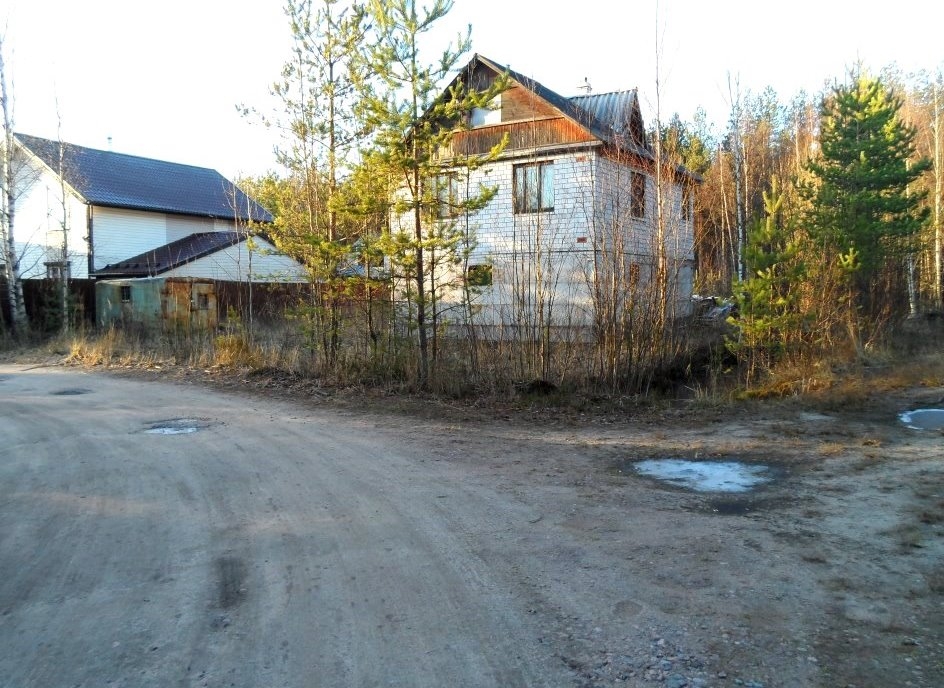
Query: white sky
[(163, 79)]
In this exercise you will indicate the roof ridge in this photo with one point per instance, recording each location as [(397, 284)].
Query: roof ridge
[(634, 89), (108, 152)]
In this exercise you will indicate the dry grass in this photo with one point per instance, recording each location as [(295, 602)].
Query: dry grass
[(827, 384)]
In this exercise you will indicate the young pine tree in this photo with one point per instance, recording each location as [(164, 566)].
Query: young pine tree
[(770, 318)]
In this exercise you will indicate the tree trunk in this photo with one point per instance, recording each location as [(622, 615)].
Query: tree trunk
[(11, 260), (938, 293)]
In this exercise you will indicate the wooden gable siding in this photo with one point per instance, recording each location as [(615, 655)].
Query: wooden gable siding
[(521, 136), (519, 103)]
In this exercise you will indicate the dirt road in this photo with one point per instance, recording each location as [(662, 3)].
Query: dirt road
[(273, 543)]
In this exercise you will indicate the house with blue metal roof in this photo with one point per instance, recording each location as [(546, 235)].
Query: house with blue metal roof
[(584, 217), (130, 217)]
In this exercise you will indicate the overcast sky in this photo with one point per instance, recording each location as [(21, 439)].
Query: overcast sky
[(163, 79)]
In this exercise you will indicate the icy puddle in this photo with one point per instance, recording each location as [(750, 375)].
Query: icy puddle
[(923, 419), (176, 426), (706, 476), (170, 431)]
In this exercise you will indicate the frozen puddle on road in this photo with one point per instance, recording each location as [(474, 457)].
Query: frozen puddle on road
[(705, 476), (923, 419), (176, 426)]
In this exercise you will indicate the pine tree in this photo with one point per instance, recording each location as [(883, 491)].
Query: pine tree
[(768, 301), (414, 125), (862, 205), (318, 98)]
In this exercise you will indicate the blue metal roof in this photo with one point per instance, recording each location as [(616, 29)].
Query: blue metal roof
[(116, 180)]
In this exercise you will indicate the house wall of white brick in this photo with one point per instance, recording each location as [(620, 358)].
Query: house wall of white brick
[(543, 263)]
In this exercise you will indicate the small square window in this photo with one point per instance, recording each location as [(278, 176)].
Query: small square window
[(126, 293), (203, 302), (58, 270), (479, 275)]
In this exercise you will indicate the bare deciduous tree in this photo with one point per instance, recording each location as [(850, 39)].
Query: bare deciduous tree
[(8, 198)]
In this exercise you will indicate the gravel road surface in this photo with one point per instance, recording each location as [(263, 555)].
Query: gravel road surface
[(269, 547), (156, 531)]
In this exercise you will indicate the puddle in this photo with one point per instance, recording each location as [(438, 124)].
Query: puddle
[(71, 392), (923, 419), (170, 431), (706, 476), (176, 426)]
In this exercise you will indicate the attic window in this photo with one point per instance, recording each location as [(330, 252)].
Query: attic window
[(490, 114)]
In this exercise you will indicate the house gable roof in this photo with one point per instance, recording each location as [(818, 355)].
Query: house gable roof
[(172, 255), (116, 180), (613, 118)]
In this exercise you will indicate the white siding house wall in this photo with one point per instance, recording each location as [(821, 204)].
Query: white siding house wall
[(38, 225), (232, 264), (224, 225), (119, 234), (181, 226)]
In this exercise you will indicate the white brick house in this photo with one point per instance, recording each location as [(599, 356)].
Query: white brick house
[(575, 208)]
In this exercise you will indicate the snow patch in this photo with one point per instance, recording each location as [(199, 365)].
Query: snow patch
[(705, 476)]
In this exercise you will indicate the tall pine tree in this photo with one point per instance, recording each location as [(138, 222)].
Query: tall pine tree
[(862, 206)]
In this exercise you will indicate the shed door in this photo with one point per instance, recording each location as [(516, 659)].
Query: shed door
[(189, 304)]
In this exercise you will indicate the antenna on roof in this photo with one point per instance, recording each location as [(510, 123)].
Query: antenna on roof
[(585, 86)]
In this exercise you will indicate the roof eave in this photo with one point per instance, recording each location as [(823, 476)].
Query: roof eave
[(167, 211)]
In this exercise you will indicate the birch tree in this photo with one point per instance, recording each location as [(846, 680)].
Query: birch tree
[(8, 198)]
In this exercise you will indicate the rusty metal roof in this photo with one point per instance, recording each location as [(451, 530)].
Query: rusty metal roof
[(172, 255)]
